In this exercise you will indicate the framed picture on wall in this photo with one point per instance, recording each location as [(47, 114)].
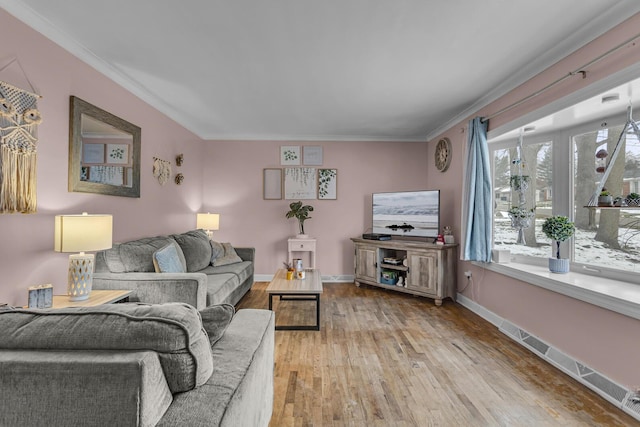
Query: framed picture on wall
[(299, 183), (328, 184), (312, 155), (290, 155), (272, 184)]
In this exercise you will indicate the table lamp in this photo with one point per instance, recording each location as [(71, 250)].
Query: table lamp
[(80, 233), (208, 222)]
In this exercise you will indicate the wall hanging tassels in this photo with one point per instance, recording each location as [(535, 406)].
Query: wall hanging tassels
[(19, 119)]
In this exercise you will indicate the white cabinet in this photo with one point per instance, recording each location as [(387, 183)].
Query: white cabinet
[(409, 266), (296, 244)]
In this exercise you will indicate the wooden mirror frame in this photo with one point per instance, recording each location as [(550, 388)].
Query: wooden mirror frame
[(78, 108)]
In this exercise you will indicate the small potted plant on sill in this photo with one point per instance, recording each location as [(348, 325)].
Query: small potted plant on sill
[(605, 198), (301, 213), (558, 228)]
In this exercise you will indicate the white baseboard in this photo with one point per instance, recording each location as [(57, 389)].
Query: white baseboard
[(487, 315)]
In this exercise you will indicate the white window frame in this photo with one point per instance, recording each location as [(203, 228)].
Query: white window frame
[(612, 289)]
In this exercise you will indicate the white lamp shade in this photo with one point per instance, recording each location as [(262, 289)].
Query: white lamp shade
[(208, 221), (80, 233)]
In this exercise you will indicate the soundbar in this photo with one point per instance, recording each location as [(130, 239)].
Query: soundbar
[(376, 236)]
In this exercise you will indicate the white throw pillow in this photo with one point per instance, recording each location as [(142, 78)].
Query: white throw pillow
[(167, 259)]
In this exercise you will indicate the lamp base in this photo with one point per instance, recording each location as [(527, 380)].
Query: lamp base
[(80, 276)]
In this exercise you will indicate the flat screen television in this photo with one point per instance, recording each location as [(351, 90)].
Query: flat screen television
[(407, 213)]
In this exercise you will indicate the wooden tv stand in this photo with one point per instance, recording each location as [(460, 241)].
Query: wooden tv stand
[(425, 269)]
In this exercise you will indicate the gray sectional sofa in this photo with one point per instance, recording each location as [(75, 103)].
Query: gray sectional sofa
[(136, 365), (213, 273)]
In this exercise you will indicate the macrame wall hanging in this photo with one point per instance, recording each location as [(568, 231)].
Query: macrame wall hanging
[(161, 170), (19, 120)]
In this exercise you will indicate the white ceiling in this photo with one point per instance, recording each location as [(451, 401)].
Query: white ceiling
[(401, 70)]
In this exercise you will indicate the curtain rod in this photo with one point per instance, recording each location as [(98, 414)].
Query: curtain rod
[(580, 70)]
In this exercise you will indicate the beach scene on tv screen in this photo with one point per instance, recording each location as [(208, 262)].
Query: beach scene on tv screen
[(411, 213)]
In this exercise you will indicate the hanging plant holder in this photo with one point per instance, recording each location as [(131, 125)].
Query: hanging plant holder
[(521, 220), (519, 182), (629, 126)]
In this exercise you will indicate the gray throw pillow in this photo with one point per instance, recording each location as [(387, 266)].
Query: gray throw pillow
[(196, 248), (169, 259), (215, 320), (217, 250), (230, 256)]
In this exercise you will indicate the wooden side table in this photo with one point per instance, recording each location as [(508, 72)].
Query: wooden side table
[(303, 245), (96, 297)]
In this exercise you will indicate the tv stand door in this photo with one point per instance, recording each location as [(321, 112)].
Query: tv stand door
[(366, 263), (423, 273)]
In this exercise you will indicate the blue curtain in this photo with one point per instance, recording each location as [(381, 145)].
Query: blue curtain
[(477, 195)]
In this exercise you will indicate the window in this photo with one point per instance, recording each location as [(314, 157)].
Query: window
[(522, 183), (606, 237), (562, 172)]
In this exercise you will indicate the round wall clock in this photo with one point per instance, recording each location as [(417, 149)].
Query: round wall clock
[(443, 154)]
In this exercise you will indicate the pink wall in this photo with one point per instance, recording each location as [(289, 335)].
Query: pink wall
[(26, 252), (233, 187), (606, 341)]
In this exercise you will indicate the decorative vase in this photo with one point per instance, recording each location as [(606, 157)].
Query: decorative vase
[(559, 265)]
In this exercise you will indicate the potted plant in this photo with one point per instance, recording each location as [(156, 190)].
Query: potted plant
[(301, 212), (605, 198), (518, 182), (633, 199), (558, 228), (521, 217)]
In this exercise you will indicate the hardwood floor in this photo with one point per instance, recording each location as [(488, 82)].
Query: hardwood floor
[(388, 359)]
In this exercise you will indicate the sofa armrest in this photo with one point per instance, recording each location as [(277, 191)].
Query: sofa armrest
[(247, 254), (240, 390), (72, 388), (157, 288)]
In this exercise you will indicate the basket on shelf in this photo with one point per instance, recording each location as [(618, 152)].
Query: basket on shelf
[(633, 199)]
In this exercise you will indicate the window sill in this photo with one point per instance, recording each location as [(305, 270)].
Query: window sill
[(614, 295)]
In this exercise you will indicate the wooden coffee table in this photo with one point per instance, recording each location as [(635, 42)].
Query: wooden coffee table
[(307, 289)]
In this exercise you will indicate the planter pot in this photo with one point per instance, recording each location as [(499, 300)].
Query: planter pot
[(605, 200), (559, 265)]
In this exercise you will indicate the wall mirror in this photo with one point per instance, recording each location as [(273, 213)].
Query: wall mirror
[(104, 152)]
